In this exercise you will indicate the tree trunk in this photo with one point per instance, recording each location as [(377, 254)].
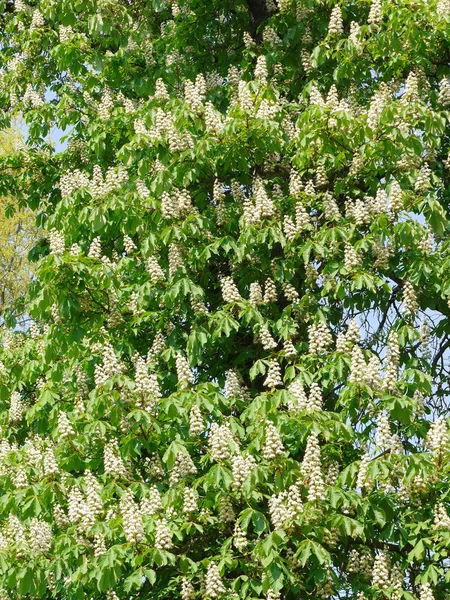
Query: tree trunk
[(259, 12)]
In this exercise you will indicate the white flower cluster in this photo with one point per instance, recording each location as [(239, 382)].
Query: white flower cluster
[(221, 442), (146, 385), (194, 93), (230, 292), (65, 428), (165, 126), (196, 425), (183, 465), (351, 259), (233, 384), (65, 33), (266, 339), (409, 300), (152, 504), (213, 119), (438, 436), (310, 190), (129, 244), (95, 249), (156, 348), (198, 307), (270, 291), (411, 92), (99, 545), (375, 16), (426, 241), (426, 593), (56, 242), (153, 466), (261, 72), (319, 338), (295, 183), (396, 197), (270, 36), (290, 292), (189, 500), (214, 586), (336, 26), (241, 467), (423, 181), (360, 562), (441, 518), (142, 189), (444, 91), (184, 373), (380, 571), (33, 97), (187, 590), (273, 378), (331, 208), (175, 259), (163, 535), (355, 33), (154, 270), (260, 206), (16, 408), (132, 524), (79, 513), (302, 219), (105, 105), (358, 210), (40, 536), (226, 512), (273, 446), (49, 463), (19, 478), (114, 179), (443, 8), (245, 97), (289, 349), (345, 342), (285, 507), (300, 401), (311, 469), (382, 253), (363, 481), (93, 497), (315, 399), (110, 366), (358, 366), (113, 463), (377, 205), (384, 434), (240, 541), (176, 205), (267, 110)]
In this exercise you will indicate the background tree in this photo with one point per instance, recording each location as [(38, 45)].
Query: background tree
[(236, 384), (18, 235)]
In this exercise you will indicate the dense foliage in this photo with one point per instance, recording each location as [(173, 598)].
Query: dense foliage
[(235, 384)]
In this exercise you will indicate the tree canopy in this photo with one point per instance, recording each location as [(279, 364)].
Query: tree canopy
[(235, 384)]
